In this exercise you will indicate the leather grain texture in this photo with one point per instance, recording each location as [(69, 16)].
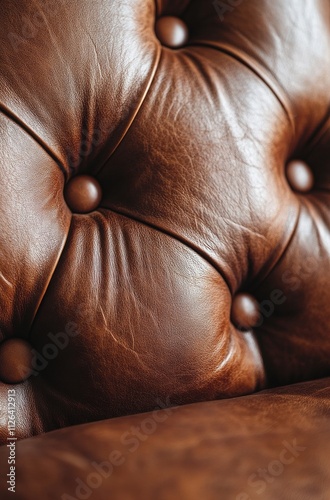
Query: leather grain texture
[(132, 301), (271, 445)]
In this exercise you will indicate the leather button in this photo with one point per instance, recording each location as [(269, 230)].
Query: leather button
[(83, 194), (15, 361), (172, 31), (300, 176), (245, 311)]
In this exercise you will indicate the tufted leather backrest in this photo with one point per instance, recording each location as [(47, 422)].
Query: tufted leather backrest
[(165, 203)]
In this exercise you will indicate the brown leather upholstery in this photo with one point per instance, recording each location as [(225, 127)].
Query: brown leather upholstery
[(165, 203), (273, 445)]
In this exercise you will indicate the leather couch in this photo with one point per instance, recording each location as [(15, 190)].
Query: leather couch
[(165, 249)]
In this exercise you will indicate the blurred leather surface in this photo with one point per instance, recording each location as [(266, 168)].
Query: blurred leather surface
[(272, 445), (189, 146)]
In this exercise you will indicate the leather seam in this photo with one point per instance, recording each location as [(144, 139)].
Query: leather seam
[(136, 111), (23, 126), (283, 252), (176, 237), (255, 67), (50, 277), (31, 133)]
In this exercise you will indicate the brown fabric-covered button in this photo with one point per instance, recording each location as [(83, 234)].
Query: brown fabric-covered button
[(15, 361), (300, 176), (245, 311), (83, 194), (172, 31)]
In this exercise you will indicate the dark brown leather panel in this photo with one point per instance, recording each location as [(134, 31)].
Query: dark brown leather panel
[(189, 199), (272, 445), (156, 324), (90, 70), (33, 225), (265, 31), (289, 328), (181, 186)]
